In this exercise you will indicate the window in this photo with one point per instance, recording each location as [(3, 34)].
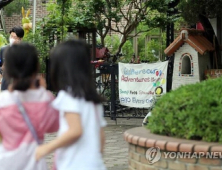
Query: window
[(186, 65)]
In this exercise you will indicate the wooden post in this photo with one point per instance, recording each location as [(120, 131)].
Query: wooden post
[(215, 53)]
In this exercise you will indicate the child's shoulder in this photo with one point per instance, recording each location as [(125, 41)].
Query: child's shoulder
[(45, 94), (64, 94), (65, 101), (4, 94), (5, 98), (64, 97), (37, 95), (34, 95)]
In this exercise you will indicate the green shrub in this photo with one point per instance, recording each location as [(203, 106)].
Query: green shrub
[(191, 111)]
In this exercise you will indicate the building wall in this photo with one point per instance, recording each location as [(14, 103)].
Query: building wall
[(16, 19), (179, 80), (204, 64)]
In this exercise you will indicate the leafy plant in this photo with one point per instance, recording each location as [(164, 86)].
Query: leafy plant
[(42, 43), (191, 112)]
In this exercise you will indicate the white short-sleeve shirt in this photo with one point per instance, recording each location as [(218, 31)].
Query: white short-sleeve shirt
[(84, 154)]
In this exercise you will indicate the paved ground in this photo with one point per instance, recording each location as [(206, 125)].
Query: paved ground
[(116, 149)]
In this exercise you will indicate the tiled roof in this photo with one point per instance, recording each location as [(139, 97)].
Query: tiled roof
[(194, 38)]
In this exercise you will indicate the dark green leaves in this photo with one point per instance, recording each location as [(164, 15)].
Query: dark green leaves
[(191, 112), (190, 9)]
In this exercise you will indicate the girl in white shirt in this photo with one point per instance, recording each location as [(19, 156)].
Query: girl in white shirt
[(80, 140)]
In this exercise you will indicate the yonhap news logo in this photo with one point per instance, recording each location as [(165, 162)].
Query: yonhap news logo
[(153, 155)]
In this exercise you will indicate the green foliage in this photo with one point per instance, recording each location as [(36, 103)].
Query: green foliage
[(15, 7), (59, 17), (112, 43), (57, 22), (127, 51), (41, 42), (107, 15), (54, 15), (147, 51), (153, 49), (142, 46), (87, 11), (179, 23), (3, 40), (190, 10), (100, 14), (191, 111)]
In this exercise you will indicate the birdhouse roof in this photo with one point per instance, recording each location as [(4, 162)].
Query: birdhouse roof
[(195, 38)]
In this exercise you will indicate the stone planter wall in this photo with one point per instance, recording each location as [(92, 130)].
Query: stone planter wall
[(199, 155)]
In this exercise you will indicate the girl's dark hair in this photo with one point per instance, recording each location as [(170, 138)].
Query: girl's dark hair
[(71, 70), (21, 63)]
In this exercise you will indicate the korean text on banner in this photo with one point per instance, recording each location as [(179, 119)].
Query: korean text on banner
[(139, 82)]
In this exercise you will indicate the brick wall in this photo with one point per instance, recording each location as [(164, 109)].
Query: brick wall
[(16, 20), (140, 140), (138, 161)]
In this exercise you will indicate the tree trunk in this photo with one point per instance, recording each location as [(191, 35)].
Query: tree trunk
[(103, 41), (121, 45)]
